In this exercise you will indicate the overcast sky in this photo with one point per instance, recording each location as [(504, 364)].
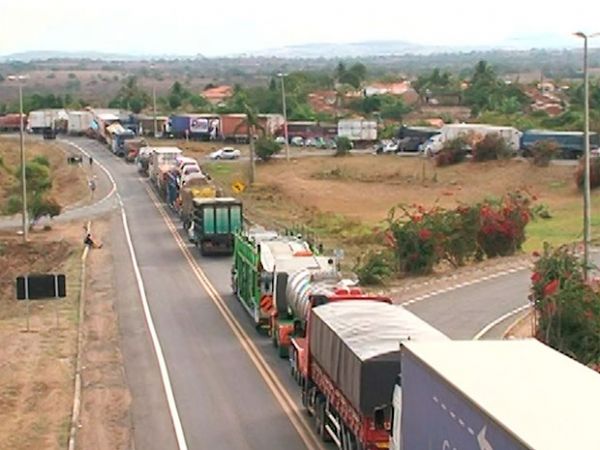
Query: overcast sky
[(228, 27)]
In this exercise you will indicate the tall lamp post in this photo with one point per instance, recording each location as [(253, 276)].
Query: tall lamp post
[(285, 125), (20, 79), (587, 214)]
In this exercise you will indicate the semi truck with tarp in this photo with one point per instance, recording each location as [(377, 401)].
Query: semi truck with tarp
[(348, 364), (215, 221)]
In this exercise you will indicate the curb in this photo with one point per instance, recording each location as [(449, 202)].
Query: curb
[(516, 322), (77, 390)]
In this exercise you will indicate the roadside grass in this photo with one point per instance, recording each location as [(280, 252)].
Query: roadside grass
[(36, 368), (565, 226)]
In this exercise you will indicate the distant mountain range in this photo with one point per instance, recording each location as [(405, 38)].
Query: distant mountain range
[(324, 50)]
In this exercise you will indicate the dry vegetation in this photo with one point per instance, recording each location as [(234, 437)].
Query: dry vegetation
[(345, 198), (36, 368), (69, 183)]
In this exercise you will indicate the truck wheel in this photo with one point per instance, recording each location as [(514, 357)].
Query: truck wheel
[(321, 420)]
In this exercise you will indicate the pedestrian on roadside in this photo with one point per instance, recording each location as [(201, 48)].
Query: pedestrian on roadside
[(92, 186), (91, 161), (90, 242)]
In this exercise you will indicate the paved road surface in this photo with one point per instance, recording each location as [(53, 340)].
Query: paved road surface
[(222, 400)]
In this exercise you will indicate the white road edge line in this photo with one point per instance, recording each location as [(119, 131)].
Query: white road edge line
[(181, 442), (500, 319), (155, 342)]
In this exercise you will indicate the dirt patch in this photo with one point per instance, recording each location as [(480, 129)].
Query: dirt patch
[(69, 182), (523, 328), (105, 415), (36, 368)]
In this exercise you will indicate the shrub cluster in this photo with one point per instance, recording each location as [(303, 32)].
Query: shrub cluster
[(567, 306), (421, 237), (491, 147)]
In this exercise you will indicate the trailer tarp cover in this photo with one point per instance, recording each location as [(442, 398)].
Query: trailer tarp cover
[(357, 344)]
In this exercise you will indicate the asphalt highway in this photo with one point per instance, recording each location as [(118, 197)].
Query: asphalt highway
[(223, 400)]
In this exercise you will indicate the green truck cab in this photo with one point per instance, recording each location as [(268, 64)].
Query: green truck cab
[(215, 221)]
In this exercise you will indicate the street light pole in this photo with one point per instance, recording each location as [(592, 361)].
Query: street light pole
[(587, 213), (19, 79), (285, 125), (154, 110), (23, 178)]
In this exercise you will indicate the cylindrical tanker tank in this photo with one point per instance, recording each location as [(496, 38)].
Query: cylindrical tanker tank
[(304, 283)]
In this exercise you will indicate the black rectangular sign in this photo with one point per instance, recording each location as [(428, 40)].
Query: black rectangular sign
[(41, 287)]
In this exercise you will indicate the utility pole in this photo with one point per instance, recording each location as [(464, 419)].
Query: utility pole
[(587, 213), (23, 177), (19, 79), (154, 110), (285, 125), (252, 162)]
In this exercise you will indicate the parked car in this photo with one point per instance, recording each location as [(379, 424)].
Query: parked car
[(386, 147), (225, 153), (280, 140), (298, 141)]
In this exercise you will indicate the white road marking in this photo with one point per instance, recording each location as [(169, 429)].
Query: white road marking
[(155, 341), (502, 318), (164, 373), (420, 298)]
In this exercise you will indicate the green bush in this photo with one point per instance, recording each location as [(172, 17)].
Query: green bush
[(491, 147), (594, 172), (373, 268), (42, 160), (453, 152), (544, 151), (567, 307), (343, 146), (265, 148)]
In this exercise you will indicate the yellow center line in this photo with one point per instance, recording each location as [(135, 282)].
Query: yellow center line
[(287, 404)]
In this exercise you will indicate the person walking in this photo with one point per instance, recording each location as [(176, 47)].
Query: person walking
[(92, 186), (91, 160)]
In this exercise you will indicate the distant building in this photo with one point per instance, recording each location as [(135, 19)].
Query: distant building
[(323, 101), (218, 94), (399, 88)]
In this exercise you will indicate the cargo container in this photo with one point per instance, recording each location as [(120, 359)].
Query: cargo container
[(215, 221), (472, 133), (570, 143), (197, 185), (234, 127), (79, 122), (358, 130), (37, 121), (179, 125), (494, 395), (350, 360), (304, 130), (12, 122), (160, 160), (270, 124), (205, 126)]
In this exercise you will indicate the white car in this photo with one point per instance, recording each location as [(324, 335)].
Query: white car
[(225, 153), (280, 140)]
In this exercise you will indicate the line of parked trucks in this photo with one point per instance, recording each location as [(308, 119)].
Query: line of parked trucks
[(430, 141), (371, 374)]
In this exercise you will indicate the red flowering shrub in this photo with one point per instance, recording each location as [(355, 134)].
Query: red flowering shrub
[(453, 152), (567, 307), (502, 224), (421, 237)]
